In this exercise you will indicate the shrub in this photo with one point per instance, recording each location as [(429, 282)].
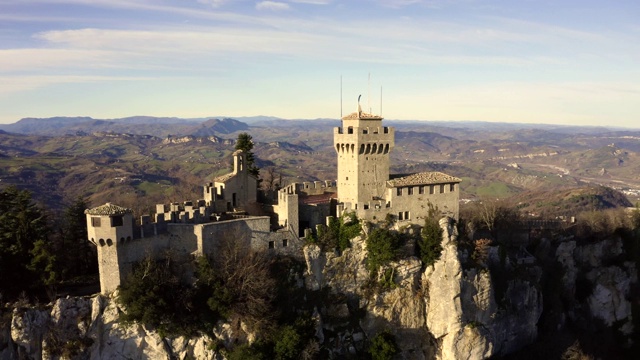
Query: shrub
[(153, 295), (383, 346), (382, 247), (339, 233), (430, 242), (288, 344)]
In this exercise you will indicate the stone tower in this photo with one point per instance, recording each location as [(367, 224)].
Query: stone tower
[(110, 227), (363, 146)]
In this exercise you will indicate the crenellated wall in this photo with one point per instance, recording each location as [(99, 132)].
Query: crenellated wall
[(183, 240)]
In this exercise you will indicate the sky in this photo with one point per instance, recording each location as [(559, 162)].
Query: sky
[(574, 62)]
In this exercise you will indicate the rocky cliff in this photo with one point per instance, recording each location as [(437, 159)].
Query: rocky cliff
[(454, 309), (88, 328)]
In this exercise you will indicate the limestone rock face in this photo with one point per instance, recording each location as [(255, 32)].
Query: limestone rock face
[(28, 331), (401, 309), (315, 261), (347, 273), (610, 298), (89, 328), (462, 313), (593, 270), (565, 256)]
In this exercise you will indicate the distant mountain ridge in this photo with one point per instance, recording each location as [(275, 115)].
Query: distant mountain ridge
[(139, 125)]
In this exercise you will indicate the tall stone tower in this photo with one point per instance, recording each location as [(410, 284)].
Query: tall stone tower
[(363, 146), (110, 227)]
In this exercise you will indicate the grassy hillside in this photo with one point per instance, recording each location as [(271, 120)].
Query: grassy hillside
[(141, 168)]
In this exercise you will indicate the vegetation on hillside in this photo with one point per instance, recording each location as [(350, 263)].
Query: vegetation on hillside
[(238, 286), (338, 234), (40, 252), (430, 242)]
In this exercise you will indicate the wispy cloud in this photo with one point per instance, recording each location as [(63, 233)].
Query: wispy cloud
[(213, 3), (38, 60), (312, 2), (272, 6), (16, 84)]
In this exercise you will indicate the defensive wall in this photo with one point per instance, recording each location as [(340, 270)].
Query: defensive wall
[(181, 231)]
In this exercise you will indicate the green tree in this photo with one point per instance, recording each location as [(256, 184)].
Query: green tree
[(288, 344), (154, 295), (430, 242), (22, 226), (77, 256), (382, 247), (245, 143), (383, 346)]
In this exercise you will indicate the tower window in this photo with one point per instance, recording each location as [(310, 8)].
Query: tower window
[(452, 187), (410, 190), (431, 189), (272, 244), (116, 221), (285, 242), (95, 221), (399, 191), (350, 130), (365, 131), (442, 189), (421, 189)]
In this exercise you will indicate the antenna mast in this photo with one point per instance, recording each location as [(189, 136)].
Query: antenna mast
[(380, 101), (340, 96), (369, 91)]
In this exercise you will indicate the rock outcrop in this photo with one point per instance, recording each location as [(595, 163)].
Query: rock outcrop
[(463, 315), (455, 309), (605, 283), (89, 328)]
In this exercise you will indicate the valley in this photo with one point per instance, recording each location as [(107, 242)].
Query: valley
[(141, 161)]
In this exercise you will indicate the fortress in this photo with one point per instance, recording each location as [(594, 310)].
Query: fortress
[(188, 229)]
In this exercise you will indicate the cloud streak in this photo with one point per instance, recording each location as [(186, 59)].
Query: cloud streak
[(272, 6)]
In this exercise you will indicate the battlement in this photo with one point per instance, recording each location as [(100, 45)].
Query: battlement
[(308, 188), (367, 130)]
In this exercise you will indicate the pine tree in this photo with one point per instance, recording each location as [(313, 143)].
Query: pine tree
[(245, 143), (25, 256)]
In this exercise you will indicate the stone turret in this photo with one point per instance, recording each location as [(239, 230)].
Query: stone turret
[(363, 145), (109, 227)]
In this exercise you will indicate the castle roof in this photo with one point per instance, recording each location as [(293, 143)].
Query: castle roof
[(423, 178), (359, 115), (108, 209), (224, 178)]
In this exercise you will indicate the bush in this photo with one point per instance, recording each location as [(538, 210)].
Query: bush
[(339, 233), (288, 344), (349, 228), (430, 242), (383, 346), (382, 247), (152, 294)]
